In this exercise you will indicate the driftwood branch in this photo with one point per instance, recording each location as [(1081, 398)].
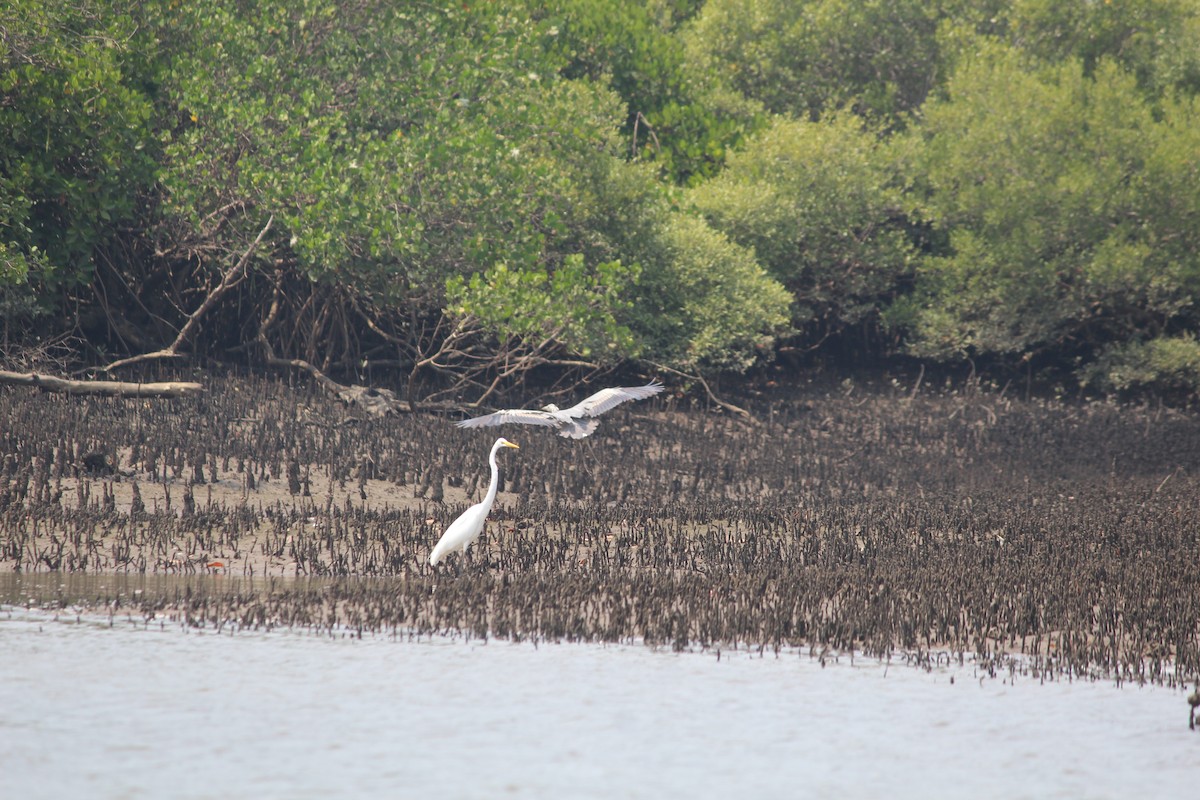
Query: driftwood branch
[(229, 280), (49, 383)]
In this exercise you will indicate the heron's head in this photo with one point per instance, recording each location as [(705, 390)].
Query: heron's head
[(506, 443), (550, 407)]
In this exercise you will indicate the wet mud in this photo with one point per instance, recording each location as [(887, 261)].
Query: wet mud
[(1061, 536)]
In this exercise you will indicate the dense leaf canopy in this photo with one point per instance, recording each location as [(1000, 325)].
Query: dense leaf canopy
[(463, 193)]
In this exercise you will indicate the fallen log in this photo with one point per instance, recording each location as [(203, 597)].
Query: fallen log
[(49, 383)]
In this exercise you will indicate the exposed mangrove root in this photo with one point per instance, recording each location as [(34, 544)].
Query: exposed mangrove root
[(905, 524), (235, 275)]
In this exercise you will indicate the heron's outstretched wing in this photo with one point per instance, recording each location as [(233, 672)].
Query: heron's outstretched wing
[(515, 415), (605, 399)]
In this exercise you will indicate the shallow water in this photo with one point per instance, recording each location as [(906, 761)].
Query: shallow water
[(102, 708)]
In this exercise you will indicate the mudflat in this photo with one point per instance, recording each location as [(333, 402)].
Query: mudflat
[(851, 514)]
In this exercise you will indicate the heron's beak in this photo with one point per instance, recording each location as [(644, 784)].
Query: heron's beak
[(510, 444)]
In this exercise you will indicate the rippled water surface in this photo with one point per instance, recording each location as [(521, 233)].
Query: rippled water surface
[(102, 708)]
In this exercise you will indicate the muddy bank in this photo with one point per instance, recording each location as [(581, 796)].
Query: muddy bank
[(853, 516)]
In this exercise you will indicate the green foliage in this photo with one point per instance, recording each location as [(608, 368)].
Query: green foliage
[(1156, 40), (398, 145), (704, 303), (630, 46), (77, 153), (18, 300), (804, 58), (700, 302), (504, 163), (572, 306), (17, 253), (673, 117), (1072, 211), (1166, 363), (819, 204), (434, 157), (690, 139)]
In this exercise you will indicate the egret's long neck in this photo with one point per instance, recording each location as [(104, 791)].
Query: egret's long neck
[(495, 484)]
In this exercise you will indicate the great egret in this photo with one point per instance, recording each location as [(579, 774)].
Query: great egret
[(463, 532), (575, 422)]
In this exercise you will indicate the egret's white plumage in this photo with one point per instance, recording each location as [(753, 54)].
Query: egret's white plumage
[(463, 532), (575, 422)]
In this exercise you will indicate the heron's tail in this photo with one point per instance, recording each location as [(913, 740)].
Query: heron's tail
[(578, 428)]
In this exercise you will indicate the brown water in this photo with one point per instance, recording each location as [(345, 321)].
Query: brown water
[(115, 707)]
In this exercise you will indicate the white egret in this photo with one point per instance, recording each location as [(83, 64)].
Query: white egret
[(463, 532), (575, 422)]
